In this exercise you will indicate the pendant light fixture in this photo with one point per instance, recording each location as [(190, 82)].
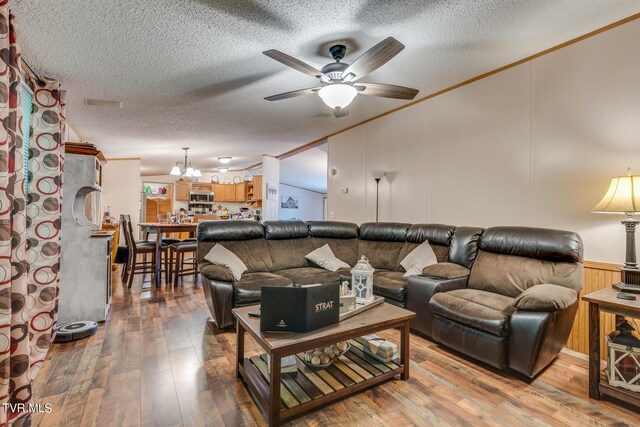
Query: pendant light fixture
[(187, 169)]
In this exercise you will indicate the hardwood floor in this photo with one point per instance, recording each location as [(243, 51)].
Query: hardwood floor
[(156, 363)]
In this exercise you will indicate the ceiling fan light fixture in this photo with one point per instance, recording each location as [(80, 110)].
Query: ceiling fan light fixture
[(337, 95), (224, 160)]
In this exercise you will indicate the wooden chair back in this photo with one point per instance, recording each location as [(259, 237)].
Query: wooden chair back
[(125, 223)]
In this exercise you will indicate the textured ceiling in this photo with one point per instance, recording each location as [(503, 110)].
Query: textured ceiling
[(191, 72), (307, 169)]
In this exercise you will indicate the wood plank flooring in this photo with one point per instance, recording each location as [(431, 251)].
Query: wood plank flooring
[(156, 363)]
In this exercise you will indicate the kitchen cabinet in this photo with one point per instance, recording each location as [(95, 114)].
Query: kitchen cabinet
[(205, 187), (182, 190), (218, 193), (230, 192), (254, 191), (241, 192), (225, 193)]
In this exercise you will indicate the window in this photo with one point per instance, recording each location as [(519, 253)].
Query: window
[(27, 110)]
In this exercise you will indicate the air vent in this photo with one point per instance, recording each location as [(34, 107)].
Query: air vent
[(103, 103)]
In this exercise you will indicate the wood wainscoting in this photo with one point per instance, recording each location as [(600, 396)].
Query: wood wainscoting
[(597, 275)]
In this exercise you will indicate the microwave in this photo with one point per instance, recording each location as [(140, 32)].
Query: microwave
[(200, 197)]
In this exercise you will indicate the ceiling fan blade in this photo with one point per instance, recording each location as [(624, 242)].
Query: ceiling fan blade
[(341, 112), (296, 64), (373, 59), (386, 91), (292, 94)]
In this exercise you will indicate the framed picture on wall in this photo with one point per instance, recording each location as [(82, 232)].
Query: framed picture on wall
[(289, 202), (272, 192)]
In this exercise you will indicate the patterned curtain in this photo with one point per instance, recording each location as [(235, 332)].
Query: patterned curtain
[(44, 210), (15, 382)]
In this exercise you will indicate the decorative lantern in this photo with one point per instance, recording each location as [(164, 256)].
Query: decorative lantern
[(623, 364), (362, 281)]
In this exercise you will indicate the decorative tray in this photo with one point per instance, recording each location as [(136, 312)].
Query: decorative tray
[(362, 307)]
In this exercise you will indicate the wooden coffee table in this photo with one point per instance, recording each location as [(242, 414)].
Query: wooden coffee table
[(287, 395)]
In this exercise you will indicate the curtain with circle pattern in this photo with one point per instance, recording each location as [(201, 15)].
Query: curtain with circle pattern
[(44, 210), (30, 225), (15, 383)]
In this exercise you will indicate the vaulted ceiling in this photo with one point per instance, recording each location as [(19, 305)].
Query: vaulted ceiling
[(191, 72)]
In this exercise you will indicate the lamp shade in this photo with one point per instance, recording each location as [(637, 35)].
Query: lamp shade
[(623, 196), (175, 171), (189, 172), (197, 173), (378, 174), (338, 95)]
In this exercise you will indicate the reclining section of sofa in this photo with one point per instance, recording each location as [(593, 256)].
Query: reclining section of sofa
[(481, 319), (462, 252)]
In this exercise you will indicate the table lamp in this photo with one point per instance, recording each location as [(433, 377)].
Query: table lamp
[(623, 197)]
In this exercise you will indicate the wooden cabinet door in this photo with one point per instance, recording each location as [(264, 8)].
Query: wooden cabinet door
[(218, 193), (257, 187), (201, 186), (230, 192), (241, 192), (182, 191)]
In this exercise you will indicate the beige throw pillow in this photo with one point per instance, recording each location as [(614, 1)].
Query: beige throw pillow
[(419, 258), (325, 258), (219, 255)]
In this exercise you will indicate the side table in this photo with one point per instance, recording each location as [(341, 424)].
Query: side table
[(606, 300)]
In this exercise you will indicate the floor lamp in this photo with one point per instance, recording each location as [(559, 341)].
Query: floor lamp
[(377, 176), (623, 197)]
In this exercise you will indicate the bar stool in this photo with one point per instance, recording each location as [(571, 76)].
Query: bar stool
[(177, 267), (141, 247)]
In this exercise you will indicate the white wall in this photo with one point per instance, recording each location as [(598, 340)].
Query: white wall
[(310, 204), (121, 188), (533, 145), (270, 176)]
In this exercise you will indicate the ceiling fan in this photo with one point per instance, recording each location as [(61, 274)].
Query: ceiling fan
[(339, 81)]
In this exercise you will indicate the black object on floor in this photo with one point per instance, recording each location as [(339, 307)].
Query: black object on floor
[(73, 331)]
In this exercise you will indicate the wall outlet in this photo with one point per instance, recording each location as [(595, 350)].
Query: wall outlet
[(345, 190)]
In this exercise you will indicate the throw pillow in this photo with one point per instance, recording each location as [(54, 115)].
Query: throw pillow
[(323, 257), (419, 258), (545, 297), (219, 255)]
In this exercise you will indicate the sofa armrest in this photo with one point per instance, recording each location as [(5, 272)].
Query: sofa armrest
[(446, 270), (219, 298), (420, 290), (536, 338), (546, 297), (216, 272)]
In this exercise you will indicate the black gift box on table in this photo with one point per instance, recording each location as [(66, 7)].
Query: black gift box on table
[(299, 309)]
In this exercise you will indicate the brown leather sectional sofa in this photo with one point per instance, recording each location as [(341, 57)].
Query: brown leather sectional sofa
[(467, 301)]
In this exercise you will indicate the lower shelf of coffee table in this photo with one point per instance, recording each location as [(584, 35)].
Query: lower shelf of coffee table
[(306, 389)]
